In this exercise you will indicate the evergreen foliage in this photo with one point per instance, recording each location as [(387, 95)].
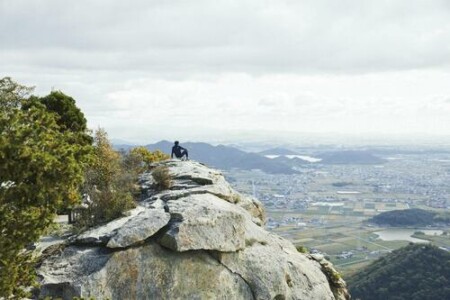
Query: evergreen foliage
[(68, 116), (415, 272), (41, 167)]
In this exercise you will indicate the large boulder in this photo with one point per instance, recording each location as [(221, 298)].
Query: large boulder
[(198, 240)]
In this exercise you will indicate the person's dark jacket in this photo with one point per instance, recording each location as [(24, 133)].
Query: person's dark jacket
[(177, 150)]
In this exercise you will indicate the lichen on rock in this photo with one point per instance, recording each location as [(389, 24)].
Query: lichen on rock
[(198, 240)]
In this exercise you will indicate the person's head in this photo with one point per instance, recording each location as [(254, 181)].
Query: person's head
[(176, 143)]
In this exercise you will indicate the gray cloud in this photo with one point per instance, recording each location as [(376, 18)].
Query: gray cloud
[(217, 36)]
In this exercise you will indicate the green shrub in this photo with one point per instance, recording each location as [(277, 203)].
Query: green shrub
[(302, 249), (109, 185), (144, 157), (162, 177), (105, 206)]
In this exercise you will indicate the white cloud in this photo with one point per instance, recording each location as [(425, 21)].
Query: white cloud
[(202, 69)]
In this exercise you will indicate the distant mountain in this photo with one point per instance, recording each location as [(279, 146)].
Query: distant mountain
[(119, 144), (125, 147), (278, 151), (350, 157), (415, 272), (164, 146), (225, 157), (295, 161)]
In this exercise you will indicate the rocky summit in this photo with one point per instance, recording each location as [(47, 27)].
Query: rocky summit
[(199, 239)]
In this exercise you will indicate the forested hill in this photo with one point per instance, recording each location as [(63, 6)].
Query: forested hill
[(415, 272), (407, 217)]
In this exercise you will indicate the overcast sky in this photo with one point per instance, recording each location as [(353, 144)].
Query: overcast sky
[(220, 70)]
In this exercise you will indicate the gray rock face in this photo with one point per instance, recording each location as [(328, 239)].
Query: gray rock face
[(139, 228), (199, 240), (284, 275), (101, 235), (206, 222)]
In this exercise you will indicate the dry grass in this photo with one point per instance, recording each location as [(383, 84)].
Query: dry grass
[(162, 177)]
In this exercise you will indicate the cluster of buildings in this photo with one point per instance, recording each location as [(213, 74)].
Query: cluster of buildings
[(409, 180)]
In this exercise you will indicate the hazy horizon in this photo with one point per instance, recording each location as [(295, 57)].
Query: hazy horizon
[(221, 71), (259, 140)]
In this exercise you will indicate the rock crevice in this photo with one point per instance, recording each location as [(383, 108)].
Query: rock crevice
[(214, 256)]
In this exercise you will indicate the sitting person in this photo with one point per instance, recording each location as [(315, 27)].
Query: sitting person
[(179, 151)]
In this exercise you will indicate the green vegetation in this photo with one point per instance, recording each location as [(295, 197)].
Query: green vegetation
[(302, 249), (41, 167), (111, 180), (70, 121), (407, 217), (146, 157), (162, 177), (413, 272), (109, 187), (68, 116), (47, 162)]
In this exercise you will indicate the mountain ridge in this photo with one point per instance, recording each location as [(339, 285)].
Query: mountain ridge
[(226, 157)]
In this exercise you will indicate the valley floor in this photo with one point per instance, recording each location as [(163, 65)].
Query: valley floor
[(324, 207)]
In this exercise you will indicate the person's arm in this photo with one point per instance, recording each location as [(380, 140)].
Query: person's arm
[(171, 155)]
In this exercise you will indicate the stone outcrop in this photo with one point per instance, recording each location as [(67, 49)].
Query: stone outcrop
[(198, 240)]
